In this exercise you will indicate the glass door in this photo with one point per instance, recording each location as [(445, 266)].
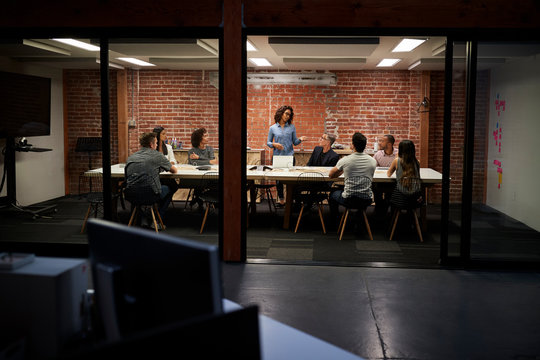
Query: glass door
[(505, 197)]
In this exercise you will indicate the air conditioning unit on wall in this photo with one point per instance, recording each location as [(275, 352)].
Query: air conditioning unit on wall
[(284, 78)]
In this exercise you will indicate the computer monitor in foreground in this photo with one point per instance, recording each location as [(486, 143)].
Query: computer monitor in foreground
[(144, 280)]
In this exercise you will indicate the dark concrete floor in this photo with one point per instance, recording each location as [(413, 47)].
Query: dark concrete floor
[(389, 313)]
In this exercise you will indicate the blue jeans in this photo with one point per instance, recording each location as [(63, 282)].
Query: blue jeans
[(164, 199)]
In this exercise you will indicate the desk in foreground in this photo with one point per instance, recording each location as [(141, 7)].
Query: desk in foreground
[(281, 342)]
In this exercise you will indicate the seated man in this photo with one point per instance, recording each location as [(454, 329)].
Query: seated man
[(323, 155), (143, 168), (382, 191), (356, 164)]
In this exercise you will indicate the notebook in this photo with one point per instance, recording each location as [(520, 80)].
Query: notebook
[(282, 161)]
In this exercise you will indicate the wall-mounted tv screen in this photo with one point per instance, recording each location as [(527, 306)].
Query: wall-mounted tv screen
[(25, 105)]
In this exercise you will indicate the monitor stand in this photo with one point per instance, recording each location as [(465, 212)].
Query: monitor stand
[(10, 201)]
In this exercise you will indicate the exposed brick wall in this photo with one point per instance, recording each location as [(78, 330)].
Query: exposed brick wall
[(180, 101), (84, 119), (373, 102)]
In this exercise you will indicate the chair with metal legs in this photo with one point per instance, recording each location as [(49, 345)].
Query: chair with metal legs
[(263, 189), (92, 187), (311, 189)]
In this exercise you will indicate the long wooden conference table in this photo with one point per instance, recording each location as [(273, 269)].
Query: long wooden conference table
[(289, 177)]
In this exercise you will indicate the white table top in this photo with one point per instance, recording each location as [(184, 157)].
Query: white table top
[(428, 175), (282, 342)]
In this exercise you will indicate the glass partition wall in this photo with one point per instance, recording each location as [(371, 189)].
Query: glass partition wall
[(164, 84), (457, 140), (505, 222), (338, 86)]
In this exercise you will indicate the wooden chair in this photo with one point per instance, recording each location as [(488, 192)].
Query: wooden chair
[(140, 199), (356, 203), (407, 196), (92, 187), (311, 188), (209, 193)]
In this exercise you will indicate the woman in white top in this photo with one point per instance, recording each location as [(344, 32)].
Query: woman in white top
[(165, 148)]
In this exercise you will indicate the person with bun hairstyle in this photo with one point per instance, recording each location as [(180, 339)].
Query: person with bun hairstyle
[(281, 138)]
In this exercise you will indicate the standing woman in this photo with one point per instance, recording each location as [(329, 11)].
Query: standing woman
[(408, 191), (281, 138), (162, 146), (167, 150)]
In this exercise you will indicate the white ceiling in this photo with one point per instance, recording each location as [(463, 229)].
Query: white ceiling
[(284, 53)]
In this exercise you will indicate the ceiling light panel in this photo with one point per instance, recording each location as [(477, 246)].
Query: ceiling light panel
[(250, 46), (388, 62), (78, 44), (260, 61), (135, 61), (407, 45)]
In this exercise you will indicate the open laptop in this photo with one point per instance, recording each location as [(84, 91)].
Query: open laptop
[(282, 161)]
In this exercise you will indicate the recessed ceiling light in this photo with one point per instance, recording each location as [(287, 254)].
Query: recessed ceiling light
[(79, 44), (388, 62), (406, 45), (250, 46), (135, 61), (260, 61)]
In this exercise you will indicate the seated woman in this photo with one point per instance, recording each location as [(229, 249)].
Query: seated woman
[(408, 192), (162, 146), (167, 150), (201, 153)]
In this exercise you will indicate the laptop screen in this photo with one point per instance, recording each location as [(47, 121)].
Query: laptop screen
[(282, 161)]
